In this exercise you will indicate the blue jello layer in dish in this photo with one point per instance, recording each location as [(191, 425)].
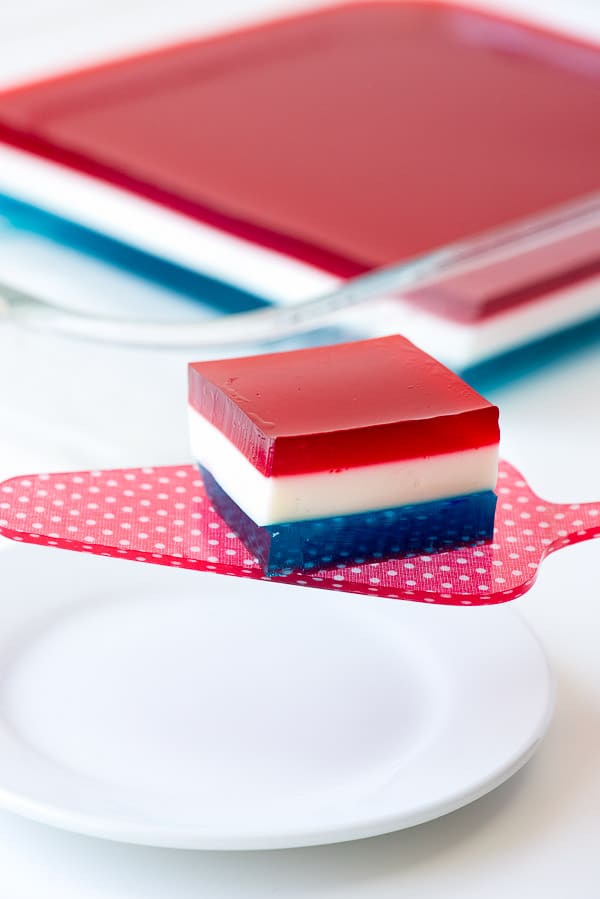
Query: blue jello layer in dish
[(352, 539)]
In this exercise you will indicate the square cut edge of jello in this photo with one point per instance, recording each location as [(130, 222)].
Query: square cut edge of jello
[(358, 429)]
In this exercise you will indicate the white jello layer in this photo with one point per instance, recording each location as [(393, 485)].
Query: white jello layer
[(324, 494)]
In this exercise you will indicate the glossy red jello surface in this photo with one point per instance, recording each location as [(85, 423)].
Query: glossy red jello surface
[(341, 406), (349, 137)]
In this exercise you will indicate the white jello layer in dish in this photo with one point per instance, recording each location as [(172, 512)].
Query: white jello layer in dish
[(168, 234), (326, 494)]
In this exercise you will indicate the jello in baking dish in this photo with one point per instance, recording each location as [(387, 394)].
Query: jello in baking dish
[(344, 453), (333, 142)]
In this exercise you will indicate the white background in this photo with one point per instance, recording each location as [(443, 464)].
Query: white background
[(69, 405)]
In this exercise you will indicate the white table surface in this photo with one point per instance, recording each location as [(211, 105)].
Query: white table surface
[(537, 836)]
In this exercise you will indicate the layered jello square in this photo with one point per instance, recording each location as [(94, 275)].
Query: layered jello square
[(344, 454)]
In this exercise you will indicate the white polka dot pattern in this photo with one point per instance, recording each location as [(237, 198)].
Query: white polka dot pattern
[(162, 516)]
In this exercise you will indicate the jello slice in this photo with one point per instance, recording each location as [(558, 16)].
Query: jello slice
[(348, 452)]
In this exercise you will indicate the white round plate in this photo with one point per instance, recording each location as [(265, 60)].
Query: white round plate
[(179, 709)]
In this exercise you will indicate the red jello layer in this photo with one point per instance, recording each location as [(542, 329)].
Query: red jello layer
[(341, 406), (349, 137)]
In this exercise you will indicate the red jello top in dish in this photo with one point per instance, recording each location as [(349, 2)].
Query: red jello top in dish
[(349, 137), (341, 406)]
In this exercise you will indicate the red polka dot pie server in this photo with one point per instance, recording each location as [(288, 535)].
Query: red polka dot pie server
[(163, 516)]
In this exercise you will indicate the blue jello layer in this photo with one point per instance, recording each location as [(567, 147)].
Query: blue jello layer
[(364, 537)]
